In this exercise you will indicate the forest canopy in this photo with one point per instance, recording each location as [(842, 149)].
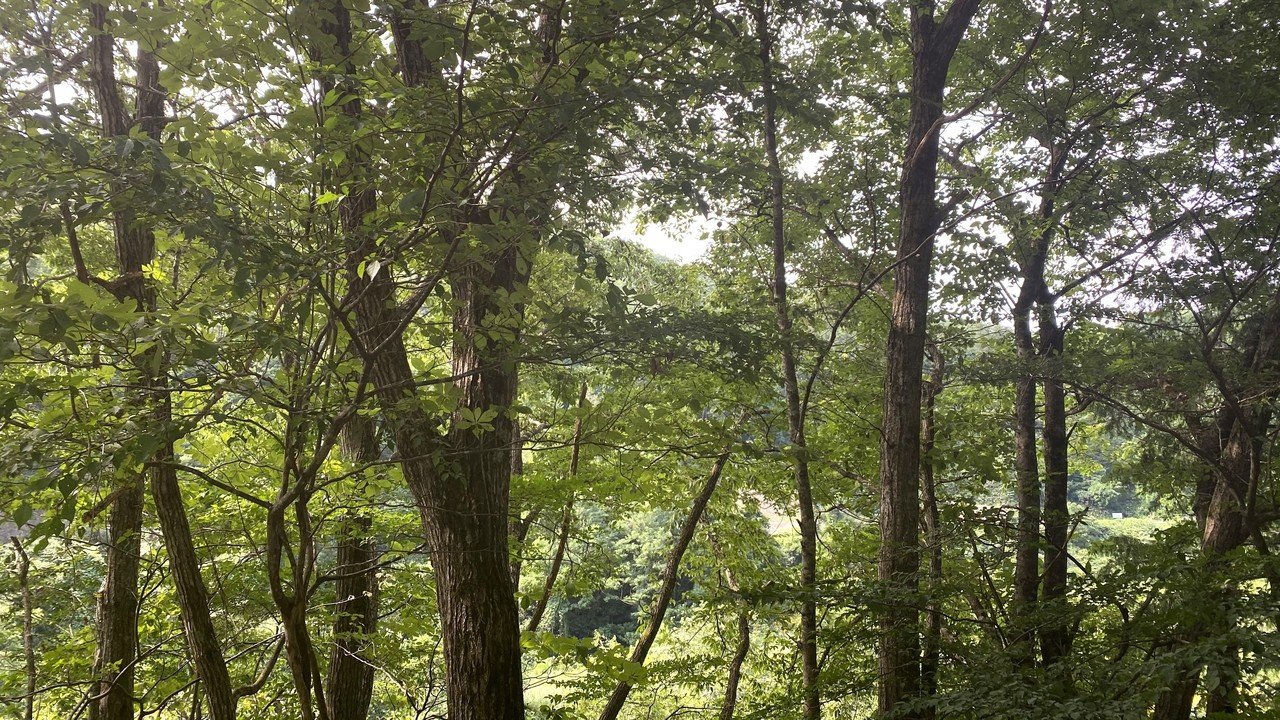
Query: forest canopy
[(340, 378)]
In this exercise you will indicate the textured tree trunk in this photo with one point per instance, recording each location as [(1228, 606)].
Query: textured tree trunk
[(791, 386), (667, 586), (193, 598), (349, 685), (933, 45), (1026, 576), (460, 482), (1055, 637), (135, 248), (117, 608)]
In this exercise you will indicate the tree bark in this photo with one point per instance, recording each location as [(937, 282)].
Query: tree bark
[(460, 481), (135, 248), (349, 685), (667, 586), (117, 602), (1243, 422), (1055, 637), (1026, 575), (193, 598), (933, 45), (791, 386)]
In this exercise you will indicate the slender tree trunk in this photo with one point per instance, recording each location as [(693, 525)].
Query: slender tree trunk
[(553, 572), (740, 652), (566, 520), (518, 527), (349, 685), (791, 386), (667, 586), (933, 45), (28, 630), (1034, 292), (932, 653), (743, 646), (193, 598)]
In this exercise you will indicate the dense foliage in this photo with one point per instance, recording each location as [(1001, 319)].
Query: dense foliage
[(336, 381)]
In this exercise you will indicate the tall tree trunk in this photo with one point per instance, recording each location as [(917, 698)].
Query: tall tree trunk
[(193, 597), (135, 248), (667, 585), (117, 607), (1055, 637), (933, 45), (932, 653), (1026, 575), (460, 482), (349, 685), (791, 386)]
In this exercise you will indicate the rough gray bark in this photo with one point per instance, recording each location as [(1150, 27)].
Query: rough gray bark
[(791, 386), (933, 44), (667, 585)]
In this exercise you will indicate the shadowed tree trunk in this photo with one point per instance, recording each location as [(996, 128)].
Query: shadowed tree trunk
[(117, 607), (349, 685), (1244, 422), (932, 520), (1055, 637), (933, 43), (459, 478), (1026, 575)]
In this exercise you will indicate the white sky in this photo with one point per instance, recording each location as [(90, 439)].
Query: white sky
[(683, 240)]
